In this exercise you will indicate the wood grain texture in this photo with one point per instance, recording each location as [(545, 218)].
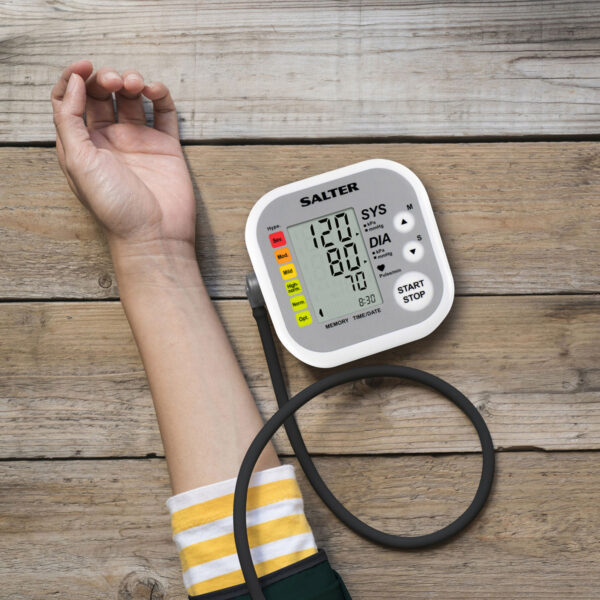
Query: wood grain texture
[(515, 218), (72, 384), (318, 69), (99, 529)]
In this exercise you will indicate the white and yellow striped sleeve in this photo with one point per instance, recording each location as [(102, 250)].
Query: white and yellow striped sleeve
[(202, 521)]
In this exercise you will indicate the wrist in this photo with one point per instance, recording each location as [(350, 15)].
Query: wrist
[(157, 263)]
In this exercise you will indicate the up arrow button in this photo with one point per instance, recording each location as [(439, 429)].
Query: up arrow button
[(404, 222)]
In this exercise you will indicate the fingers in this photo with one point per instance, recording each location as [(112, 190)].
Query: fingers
[(100, 86), (69, 107), (130, 108), (83, 68), (71, 104), (165, 114)]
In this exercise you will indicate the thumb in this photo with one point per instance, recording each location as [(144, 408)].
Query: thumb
[(68, 118)]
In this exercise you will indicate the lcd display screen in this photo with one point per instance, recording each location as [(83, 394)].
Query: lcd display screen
[(335, 264)]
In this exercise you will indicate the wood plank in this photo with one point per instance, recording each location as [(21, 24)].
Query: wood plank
[(99, 529), (72, 384), (511, 220), (312, 69)]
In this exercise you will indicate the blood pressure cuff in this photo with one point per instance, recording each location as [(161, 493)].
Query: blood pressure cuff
[(281, 541)]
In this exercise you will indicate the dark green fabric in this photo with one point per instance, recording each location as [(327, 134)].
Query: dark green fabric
[(320, 582)]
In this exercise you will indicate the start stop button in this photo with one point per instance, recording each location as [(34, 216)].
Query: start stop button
[(413, 291)]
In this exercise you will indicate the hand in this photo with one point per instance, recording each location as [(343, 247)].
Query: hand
[(132, 177)]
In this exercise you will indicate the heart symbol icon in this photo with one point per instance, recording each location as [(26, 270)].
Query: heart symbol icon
[(381, 267)]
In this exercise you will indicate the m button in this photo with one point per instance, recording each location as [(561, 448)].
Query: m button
[(404, 222)]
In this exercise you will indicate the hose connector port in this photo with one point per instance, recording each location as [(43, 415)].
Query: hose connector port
[(255, 297)]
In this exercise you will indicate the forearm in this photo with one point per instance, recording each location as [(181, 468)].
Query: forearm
[(206, 414), (135, 181)]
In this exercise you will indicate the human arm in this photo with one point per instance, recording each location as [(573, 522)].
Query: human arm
[(134, 179)]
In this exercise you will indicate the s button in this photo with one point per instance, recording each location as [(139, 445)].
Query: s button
[(413, 251)]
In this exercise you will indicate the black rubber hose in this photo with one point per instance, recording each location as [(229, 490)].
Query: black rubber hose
[(284, 416)]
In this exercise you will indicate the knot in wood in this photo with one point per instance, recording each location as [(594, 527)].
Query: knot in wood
[(104, 281), (139, 586)]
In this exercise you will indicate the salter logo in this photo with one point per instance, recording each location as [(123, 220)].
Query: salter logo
[(329, 194)]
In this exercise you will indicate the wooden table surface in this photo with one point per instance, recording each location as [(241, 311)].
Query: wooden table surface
[(496, 107)]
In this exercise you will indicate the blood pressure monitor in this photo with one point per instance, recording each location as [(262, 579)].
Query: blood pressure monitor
[(347, 264), (350, 262)]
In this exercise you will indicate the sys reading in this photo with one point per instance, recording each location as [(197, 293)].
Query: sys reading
[(335, 263)]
